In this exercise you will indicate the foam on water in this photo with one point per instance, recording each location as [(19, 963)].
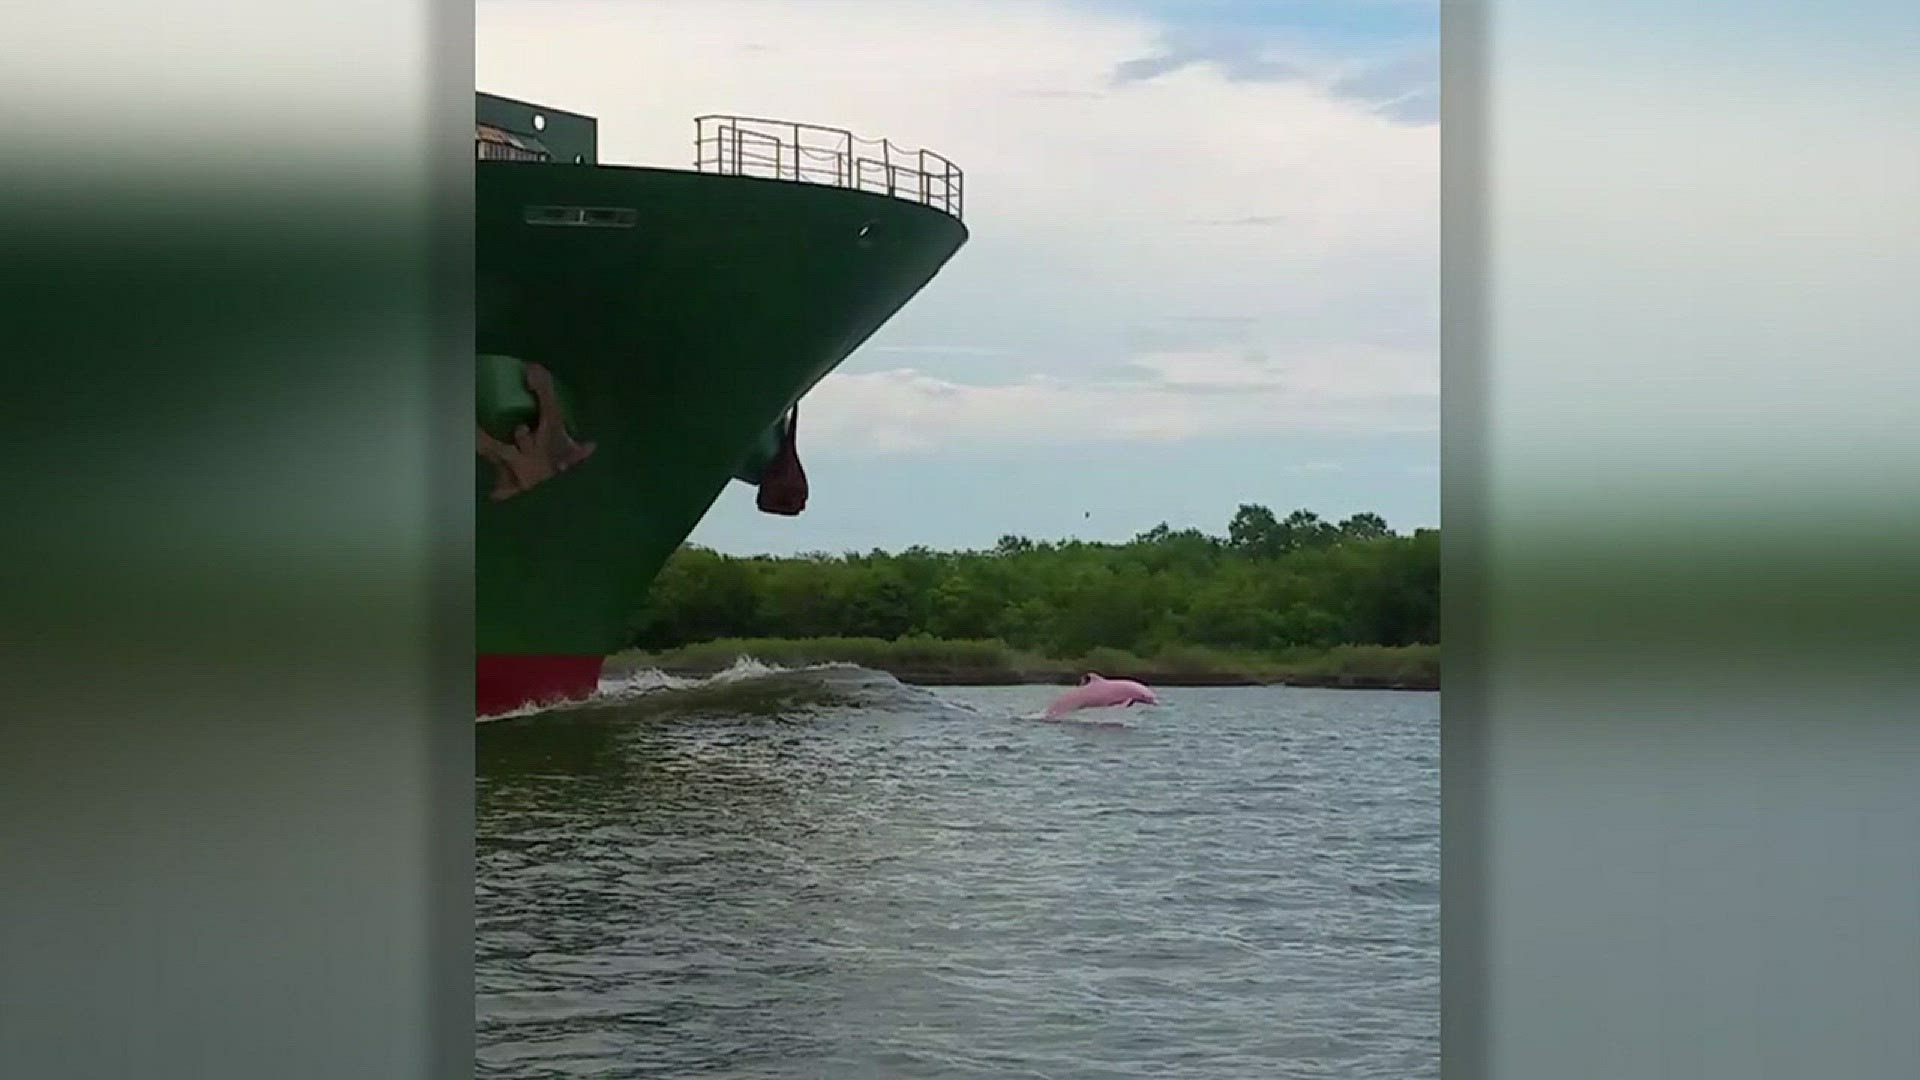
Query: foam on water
[(630, 686), (739, 685)]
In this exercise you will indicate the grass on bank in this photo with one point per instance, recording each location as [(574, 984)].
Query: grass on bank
[(994, 661)]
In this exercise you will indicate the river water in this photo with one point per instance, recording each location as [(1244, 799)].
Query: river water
[(825, 873)]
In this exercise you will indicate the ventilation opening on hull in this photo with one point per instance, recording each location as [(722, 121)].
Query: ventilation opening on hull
[(602, 217)]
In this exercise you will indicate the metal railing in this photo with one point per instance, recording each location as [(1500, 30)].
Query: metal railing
[(809, 153)]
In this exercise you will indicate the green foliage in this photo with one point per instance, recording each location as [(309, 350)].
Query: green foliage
[(1273, 587), (908, 652), (1412, 665), (1107, 660)]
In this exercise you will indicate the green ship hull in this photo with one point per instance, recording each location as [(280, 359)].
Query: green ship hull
[(681, 315)]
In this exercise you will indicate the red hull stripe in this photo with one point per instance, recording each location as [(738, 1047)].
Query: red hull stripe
[(506, 683)]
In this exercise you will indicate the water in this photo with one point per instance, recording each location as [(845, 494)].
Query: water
[(827, 874)]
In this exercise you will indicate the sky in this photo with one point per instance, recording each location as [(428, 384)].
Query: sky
[(1204, 257)]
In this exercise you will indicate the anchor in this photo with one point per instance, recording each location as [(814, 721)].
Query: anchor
[(535, 454)]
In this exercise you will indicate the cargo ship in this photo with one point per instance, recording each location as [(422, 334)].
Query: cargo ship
[(645, 337)]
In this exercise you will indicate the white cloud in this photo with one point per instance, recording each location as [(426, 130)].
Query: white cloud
[(1186, 397), (1353, 373), (937, 350), (1102, 218)]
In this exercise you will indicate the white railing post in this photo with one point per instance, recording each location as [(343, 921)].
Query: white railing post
[(946, 191)]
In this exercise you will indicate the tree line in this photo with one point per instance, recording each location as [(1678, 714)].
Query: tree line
[(1271, 584)]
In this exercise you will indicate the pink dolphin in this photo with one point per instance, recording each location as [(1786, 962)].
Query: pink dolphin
[(1095, 692)]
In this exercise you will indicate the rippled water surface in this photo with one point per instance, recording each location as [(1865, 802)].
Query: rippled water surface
[(827, 874)]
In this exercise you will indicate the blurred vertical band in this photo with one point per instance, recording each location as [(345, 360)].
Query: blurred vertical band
[(1681, 740), (1464, 473), (235, 781), (448, 963)]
